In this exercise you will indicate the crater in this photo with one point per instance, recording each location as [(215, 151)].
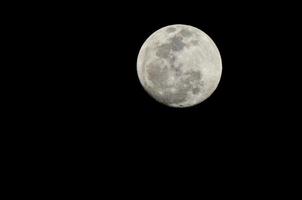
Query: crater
[(157, 75), (194, 42), (193, 76), (177, 92), (177, 70), (176, 43), (171, 29), (196, 90), (163, 51), (181, 88), (185, 33), (176, 97), (172, 58)]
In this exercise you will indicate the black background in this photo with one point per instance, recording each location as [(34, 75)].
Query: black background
[(93, 51), (92, 89), (88, 108)]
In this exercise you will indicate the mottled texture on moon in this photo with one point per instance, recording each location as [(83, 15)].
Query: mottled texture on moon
[(179, 66)]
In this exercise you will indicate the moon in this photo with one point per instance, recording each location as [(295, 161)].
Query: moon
[(179, 66)]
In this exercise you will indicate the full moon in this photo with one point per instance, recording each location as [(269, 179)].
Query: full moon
[(179, 66)]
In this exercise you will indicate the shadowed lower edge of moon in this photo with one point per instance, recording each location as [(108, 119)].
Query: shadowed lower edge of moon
[(175, 93)]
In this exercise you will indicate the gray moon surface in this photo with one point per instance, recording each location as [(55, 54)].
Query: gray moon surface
[(179, 66)]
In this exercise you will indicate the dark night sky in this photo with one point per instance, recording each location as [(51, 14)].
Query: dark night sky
[(85, 106), (90, 66), (97, 52)]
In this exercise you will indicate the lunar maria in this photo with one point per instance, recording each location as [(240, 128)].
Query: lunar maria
[(179, 66)]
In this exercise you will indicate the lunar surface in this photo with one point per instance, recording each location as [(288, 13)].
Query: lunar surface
[(179, 66)]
